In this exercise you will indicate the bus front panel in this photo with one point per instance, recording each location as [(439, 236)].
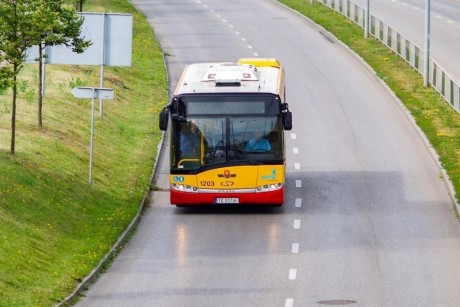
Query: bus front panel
[(262, 184)]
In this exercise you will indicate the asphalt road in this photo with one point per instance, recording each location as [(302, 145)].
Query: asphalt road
[(367, 221), (408, 18)]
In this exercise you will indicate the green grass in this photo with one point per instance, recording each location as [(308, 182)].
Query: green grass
[(439, 121), (54, 228)]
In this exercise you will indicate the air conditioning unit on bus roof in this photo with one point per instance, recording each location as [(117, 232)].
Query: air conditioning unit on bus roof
[(230, 74)]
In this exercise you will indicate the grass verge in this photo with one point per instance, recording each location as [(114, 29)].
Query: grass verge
[(54, 228), (439, 121)]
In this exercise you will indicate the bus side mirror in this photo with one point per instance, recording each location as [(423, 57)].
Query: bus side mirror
[(164, 116), (287, 120)]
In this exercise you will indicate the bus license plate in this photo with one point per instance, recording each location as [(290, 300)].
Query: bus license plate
[(227, 200)]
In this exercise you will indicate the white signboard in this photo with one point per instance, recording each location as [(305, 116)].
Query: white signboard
[(92, 92), (111, 36)]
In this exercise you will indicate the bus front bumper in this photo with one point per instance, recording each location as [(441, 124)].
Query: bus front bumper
[(274, 198)]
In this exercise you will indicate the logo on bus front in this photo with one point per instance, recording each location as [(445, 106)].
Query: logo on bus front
[(226, 174), (227, 183), (272, 176)]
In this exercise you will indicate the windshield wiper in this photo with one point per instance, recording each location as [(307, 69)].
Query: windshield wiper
[(238, 149), (212, 155)]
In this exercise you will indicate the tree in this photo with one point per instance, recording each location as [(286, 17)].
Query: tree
[(27, 23), (17, 33), (5, 75), (59, 25)]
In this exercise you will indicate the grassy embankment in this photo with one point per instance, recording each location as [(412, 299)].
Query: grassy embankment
[(439, 121), (54, 228)]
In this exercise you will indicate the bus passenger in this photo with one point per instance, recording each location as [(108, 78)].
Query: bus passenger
[(189, 139)]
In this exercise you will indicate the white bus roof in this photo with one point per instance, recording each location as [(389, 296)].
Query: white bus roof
[(248, 75)]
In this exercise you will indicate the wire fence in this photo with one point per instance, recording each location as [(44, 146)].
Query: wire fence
[(412, 54)]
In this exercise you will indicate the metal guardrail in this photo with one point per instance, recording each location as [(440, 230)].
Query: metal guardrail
[(412, 54)]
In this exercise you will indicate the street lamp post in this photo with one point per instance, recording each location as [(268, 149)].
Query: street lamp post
[(367, 19), (426, 76)]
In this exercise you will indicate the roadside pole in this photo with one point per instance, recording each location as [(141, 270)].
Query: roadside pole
[(426, 71), (93, 93)]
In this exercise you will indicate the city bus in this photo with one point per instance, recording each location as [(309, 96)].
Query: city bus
[(226, 131)]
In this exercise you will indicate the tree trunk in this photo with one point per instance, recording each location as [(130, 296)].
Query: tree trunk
[(79, 5), (40, 84), (13, 112)]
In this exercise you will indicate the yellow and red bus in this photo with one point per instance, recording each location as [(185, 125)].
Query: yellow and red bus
[(226, 124)]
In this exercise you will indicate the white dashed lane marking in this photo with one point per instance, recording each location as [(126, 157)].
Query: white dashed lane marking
[(417, 8), (296, 224), (298, 183), (292, 274), (289, 302), (295, 248), (298, 202)]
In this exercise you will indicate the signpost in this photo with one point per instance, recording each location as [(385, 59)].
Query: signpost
[(93, 93)]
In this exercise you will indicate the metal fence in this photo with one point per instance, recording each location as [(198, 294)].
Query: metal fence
[(412, 54)]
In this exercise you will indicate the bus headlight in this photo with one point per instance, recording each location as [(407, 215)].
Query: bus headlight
[(184, 188), (270, 187)]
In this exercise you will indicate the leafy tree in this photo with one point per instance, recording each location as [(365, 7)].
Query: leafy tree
[(59, 25), (5, 75), (27, 23), (17, 33)]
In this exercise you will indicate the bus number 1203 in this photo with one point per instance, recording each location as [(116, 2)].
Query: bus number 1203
[(207, 183)]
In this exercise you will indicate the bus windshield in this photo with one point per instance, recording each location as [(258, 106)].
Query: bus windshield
[(201, 142)]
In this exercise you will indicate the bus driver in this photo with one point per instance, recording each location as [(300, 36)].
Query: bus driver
[(258, 143)]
